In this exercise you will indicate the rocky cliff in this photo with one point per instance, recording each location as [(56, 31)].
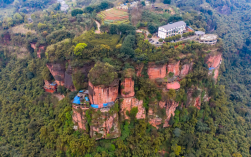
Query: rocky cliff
[(58, 72), (127, 88), (101, 94), (186, 68), (104, 124), (156, 71), (78, 116), (174, 67), (127, 104)]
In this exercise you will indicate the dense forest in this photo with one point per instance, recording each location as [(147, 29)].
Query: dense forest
[(35, 123)]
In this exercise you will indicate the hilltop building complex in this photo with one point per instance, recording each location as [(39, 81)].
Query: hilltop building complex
[(171, 29)]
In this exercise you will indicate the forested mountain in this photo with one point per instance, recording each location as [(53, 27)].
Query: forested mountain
[(35, 123)]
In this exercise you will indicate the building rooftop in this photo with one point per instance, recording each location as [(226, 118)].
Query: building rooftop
[(173, 25), (209, 37), (199, 32)]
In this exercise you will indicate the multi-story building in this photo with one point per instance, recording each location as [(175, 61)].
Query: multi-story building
[(172, 29)]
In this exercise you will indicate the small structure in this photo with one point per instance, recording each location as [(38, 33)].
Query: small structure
[(171, 29), (199, 33), (210, 39), (82, 99), (50, 87), (190, 29)]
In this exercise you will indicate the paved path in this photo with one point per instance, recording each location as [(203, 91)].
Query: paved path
[(98, 25)]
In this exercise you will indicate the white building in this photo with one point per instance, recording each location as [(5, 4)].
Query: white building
[(210, 39), (172, 29)]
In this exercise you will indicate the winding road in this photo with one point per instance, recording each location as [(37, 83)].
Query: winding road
[(98, 25)]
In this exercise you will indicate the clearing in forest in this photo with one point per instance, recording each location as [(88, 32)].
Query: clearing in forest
[(114, 16), (21, 29)]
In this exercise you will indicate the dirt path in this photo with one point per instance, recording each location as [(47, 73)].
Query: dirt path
[(98, 24)]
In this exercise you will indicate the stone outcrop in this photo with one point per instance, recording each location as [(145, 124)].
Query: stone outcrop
[(128, 88), (68, 83), (156, 71), (104, 125), (174, 68), (173, 85), (170, 107), (78, 117), (58, 72), (154, 118), (101, 94), (128, 103), (186, 68), (193, 101), (214, 61)]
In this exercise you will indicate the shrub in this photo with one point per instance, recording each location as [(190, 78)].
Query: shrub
[(149, 36), (102, 74), (160, 40)]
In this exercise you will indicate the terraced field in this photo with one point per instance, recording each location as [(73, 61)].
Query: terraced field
[(114, 16)]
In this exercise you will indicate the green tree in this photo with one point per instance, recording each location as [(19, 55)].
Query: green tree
[(79, 48)]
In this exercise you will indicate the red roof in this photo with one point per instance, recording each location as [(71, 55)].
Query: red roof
[(173, 85)]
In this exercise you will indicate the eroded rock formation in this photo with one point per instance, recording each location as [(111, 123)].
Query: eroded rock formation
[(156, 71), (78, 116), (173, 85), (186, 68), (170, 107), (128, 88), (128, 103), (174, 68), (101, 94), (58, 72), (104, 125), (68, 83)]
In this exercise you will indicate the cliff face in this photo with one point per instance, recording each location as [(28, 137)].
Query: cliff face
[(128, 88), (128, 103), (213, 62), (104, 125), (68, 83), (174, 68), (101, 94), (155, 115), (186, 68), (78, 117), (58, 72), (173, 85), (170, 107), (155, 71)]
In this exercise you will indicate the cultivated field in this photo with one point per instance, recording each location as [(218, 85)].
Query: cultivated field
[(114, 16)]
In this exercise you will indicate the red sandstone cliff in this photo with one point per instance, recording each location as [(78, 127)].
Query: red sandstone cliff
[(104, 125), (170, 107), (154, 117), (186, 68), (214, 62), (128, 103), (128, 88), (78, 117), (174, 68), (156, 71), (58, 72), (173, 85), (100, 94)]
